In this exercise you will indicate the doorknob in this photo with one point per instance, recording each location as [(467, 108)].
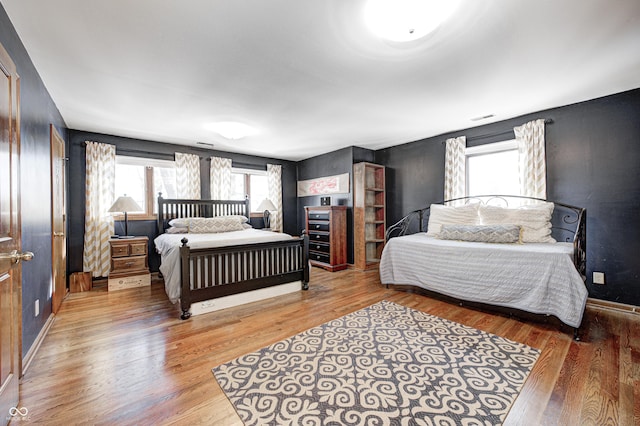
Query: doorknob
[(15, 257), (58, 234)]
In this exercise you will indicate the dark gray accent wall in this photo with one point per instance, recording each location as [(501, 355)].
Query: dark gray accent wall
[(165, 151), (37, 112), (593, 160)]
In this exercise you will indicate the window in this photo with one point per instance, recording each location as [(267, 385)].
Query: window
[(493, 169), (142, 179), (251, 182)]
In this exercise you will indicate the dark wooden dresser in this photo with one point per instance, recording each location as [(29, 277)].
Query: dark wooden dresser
[(327, 230)]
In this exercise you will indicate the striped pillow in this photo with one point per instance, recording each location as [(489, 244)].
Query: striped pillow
[(212, 225), (482, 233)]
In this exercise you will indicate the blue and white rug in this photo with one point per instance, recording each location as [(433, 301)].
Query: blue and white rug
[(382, 365)]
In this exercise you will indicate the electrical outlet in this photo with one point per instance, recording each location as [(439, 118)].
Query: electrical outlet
[(37, 307), (598, 277)]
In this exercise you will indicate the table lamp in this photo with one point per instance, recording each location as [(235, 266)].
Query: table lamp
[(125, 204), (267, 206)]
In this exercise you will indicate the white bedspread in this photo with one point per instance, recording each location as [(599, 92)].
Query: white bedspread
[(168, 245), (533, 277)]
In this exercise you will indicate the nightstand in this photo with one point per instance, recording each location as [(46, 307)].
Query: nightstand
[(129, 263)]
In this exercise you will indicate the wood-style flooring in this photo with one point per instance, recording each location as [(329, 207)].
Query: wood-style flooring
[(125, 357)]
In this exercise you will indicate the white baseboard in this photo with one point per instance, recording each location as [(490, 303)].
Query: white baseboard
[(613, 306), (26, 360)]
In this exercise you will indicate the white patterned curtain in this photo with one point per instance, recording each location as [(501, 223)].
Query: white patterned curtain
[(220, 178), (274, 180), (100, 195), (455, 175), (532, 164), (188, 176)]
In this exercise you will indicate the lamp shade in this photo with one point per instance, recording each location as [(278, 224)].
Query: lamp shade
[(125, 204), (266, 204)]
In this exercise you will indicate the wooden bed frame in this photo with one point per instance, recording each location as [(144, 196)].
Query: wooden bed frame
[(568, 225), (239, 268)]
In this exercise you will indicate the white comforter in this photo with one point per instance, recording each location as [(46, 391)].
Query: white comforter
[(533, 277), (168, 245)]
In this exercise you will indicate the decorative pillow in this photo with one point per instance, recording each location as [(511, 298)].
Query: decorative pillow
[(246, 226), (181, 222), (212, 225), (535, 220), (176, 230), (482, 233), (449, 215)]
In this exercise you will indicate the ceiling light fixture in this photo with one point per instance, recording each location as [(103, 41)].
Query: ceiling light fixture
[(231, 129), (407, 20)]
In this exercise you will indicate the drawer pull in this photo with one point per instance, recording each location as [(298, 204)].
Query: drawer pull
[(317, 226)]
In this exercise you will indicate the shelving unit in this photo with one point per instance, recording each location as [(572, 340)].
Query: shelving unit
[(369, 216)]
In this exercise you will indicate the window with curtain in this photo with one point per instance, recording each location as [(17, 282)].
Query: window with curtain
[(513, 167), (253, 183), (142, 179)]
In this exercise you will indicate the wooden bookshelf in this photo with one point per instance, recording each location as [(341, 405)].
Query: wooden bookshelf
[(369, 216)]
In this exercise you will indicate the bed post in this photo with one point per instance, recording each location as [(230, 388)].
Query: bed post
[(185, 294), (305, 260), (160, 214)]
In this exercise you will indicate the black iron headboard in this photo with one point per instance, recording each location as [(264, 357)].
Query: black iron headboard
[(568, 223), (172, 208)]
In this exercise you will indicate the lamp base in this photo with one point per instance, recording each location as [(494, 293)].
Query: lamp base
[(265, 217)]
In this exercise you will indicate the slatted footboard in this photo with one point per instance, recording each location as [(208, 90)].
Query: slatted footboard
[(210, 273)]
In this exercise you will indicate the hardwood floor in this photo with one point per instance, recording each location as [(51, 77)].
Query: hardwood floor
[(126, 358)]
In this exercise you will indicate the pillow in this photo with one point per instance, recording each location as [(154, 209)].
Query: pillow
[(482, 233), (210, 225), (246, 226), (183, 222), (176, 230), (449, 215), (180, 222), (535, 220)]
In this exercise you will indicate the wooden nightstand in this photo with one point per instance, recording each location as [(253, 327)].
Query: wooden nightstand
[(129, 263)]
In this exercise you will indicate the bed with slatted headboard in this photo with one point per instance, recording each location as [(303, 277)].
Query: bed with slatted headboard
[(201, 268)]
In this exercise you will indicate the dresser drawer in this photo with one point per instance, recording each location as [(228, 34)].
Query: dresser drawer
[(138, 249), (318, 226), (319, 257), (128, 263), (318, 215), (319, 247), (316, 236), (120, 250)]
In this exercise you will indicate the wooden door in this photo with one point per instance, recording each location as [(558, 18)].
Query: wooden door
[(10, 246), (58, 226)]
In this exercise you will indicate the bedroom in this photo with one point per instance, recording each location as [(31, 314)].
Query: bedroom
[(592, 150)]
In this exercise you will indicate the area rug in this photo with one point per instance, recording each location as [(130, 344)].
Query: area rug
[(382, 365)]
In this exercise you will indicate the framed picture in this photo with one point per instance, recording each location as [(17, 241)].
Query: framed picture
[(338, 184)]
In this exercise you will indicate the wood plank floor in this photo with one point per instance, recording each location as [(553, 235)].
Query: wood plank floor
[(126, 358)]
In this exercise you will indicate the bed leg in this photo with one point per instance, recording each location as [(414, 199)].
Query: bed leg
[(576, 336), (185, 315)]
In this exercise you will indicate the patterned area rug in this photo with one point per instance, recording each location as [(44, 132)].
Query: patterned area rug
[(383, 365)]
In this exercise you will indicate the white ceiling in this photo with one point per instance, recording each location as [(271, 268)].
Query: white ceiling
[(310, 76)]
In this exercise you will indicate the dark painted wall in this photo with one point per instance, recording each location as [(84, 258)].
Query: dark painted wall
[(149, 149), (593, 159), (37, 112), (329, 164)]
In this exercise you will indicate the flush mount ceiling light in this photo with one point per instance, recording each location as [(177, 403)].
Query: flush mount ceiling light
[(231, 129), (406, 20)]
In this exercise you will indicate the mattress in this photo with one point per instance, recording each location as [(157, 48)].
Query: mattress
[(534, 277), (168, 246)]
